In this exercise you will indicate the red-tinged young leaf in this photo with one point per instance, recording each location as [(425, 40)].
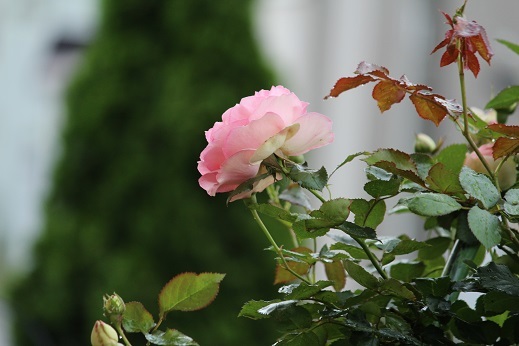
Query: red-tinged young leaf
[(284, 276), (367, 68), (386, 93), (482, 45), (347, 83), (428, 107), (336, 273), (507, 130), (471, 62), (449, 56), (443, 180), (505, 146), (189, 292), (407, 85)]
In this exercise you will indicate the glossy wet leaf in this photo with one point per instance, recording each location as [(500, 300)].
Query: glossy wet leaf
[(480, 187), (432, 204), (484, 226), (137, 319)]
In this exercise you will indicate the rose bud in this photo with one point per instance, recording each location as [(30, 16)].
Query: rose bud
[(507, 174), (424, 144), (113, 307), (103, 335)]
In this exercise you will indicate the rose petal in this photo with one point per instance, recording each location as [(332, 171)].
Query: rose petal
[(315, 131), (271, 145), (236, 170), (253, 135)]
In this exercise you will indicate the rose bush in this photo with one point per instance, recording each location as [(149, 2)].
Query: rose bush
[(272, 121)]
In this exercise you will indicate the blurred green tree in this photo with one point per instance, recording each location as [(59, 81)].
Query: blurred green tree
[(125, 213)]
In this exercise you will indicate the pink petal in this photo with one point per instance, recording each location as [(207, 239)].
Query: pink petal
[(253, 135), (236, 170), (315, 131), (211, 159)]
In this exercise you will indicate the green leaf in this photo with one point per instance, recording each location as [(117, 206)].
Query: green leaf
[(354, 251), (432, 204), (336, 210), (309, 178), (360, 275), (453, 157), (423, 163), (484, 226), (514, 47), (348, 159), (357, 231), (368, 214), (437, 248), (510, 332), (396, 162), (442, 179), (381, 188), (303, 290), (273, 307), (496, 302), (498, 277), (407, 271), (512, 202), (189, 292), (250, 309), (247, 185), (505, 98), (483, 332), (170, 337), (292, 317), (136, 319), (396, 288), (435, 287), (480, 187), (275, 212)]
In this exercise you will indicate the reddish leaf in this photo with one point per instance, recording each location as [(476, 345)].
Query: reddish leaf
[(367, 68), (336, 273), (482, 45), (386, 93), (505, 146), (428, 107), (507, 130), (442, 179), (471, 62), (450, 56), (348, 83)]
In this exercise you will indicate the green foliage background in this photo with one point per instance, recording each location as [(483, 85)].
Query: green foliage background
[(126, 213)]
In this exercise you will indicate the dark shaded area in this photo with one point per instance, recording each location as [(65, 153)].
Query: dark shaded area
[(126, 213)]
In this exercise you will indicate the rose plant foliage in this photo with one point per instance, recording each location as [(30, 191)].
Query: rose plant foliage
[(410, 292)]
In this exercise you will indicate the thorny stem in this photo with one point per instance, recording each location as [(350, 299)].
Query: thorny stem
[(273, 242)]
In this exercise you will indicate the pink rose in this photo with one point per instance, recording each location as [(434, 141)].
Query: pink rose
[(507, 174), (272, 121)]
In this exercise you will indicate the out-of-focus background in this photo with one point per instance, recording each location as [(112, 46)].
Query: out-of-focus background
[(103, 105)]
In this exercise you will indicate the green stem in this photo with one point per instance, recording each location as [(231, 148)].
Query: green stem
[(318, 195), (452, 256), (465, 131), (371, 257), (273, 242), (121, 333)]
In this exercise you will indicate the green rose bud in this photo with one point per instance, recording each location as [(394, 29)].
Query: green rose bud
[(113, 307), (103, 335), (424, 144)]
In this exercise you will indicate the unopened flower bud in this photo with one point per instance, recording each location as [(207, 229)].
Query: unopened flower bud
[(424, 144), (113, 307), (297, 159), (103, 335)]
